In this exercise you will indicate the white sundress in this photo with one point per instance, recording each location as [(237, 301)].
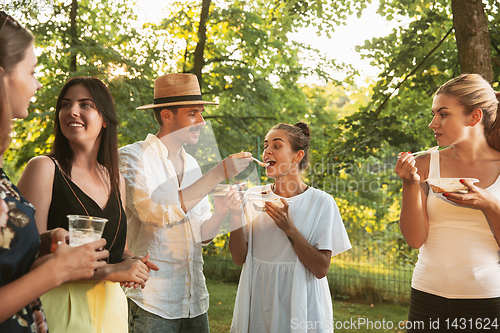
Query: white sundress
[(276, 292)]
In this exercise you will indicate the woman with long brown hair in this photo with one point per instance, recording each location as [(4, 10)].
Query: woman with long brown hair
[(80, 177)]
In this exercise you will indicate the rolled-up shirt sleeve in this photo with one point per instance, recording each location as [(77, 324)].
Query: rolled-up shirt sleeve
[(153, 204)]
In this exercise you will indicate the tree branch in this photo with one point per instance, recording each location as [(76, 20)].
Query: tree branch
[(379, 109)]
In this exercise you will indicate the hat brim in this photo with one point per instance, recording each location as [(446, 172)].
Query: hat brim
[(153, 106)]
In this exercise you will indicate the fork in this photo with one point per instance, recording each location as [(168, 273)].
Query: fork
[(260, 163), (430, 150)]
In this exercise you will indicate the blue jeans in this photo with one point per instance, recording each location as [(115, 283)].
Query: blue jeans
[(142, 321)]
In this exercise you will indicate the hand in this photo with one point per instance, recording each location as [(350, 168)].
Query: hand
[(236, 163), (280, 216), (477, 197), (58, 235), (233, 201), (405, 168), (49, 241), (130, 270), (78, 263), (149, 264), (220, 205)]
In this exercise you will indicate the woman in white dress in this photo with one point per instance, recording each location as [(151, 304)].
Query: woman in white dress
[(285, 235)]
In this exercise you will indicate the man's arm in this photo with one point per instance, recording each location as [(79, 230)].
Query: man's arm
[(162, 204), (210, 228), (228, 168)]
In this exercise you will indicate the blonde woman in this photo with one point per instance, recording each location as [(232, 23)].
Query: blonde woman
[(456, 282)]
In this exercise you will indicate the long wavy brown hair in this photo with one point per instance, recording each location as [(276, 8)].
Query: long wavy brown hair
[(108, 148)]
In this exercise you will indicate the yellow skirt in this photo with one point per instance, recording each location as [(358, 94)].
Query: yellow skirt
[(86, 307)]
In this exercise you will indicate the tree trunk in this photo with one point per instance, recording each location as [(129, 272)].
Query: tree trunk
[(473, 40), (73, 36), (199, 60)]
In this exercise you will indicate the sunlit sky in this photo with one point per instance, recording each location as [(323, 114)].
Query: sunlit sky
[(340, 46)]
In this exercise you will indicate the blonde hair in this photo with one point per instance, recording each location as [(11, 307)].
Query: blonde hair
[(473, 92)]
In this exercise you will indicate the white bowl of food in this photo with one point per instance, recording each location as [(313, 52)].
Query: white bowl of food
[(451, 185), (221, 189), (260, 203)]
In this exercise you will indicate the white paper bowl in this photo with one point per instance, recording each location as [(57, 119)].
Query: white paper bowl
[(260, 203), (452, 185)]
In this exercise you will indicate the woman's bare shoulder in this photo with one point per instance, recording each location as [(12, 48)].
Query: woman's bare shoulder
[(40, 164), (38, 174)]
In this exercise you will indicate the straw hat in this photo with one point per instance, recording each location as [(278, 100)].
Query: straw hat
[(176, 89)]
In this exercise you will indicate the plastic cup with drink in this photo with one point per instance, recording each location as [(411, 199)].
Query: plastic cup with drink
[(85, 229)]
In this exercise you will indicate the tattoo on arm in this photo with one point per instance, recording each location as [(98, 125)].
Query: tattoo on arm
[(291, 241)]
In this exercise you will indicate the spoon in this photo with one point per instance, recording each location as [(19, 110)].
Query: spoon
[(430, 150), (260, 163)]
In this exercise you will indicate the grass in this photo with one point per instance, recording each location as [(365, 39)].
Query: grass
[(220, 313), (365, 317)]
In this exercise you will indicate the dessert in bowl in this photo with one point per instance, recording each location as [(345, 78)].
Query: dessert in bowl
[(259, 203), (452, 185)]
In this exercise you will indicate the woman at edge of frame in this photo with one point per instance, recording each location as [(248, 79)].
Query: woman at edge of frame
[(26, 264), (456, 281)]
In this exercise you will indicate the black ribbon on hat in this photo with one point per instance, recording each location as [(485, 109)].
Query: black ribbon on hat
[(174, 99)]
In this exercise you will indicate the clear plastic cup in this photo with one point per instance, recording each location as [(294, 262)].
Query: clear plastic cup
[(85, 229)]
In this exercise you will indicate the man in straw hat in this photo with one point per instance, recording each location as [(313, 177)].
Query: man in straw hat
[(168, 210)]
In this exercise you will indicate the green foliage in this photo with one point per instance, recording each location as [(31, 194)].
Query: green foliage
[(250, 66), (399, 118), (104, 46)]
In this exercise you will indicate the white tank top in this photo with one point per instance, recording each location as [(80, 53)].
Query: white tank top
[(460, 257)]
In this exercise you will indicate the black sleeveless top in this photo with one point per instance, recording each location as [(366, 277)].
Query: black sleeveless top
[(19, 245), (64, 203)]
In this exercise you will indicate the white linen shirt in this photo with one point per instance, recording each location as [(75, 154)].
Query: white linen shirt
[(157, 225)]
